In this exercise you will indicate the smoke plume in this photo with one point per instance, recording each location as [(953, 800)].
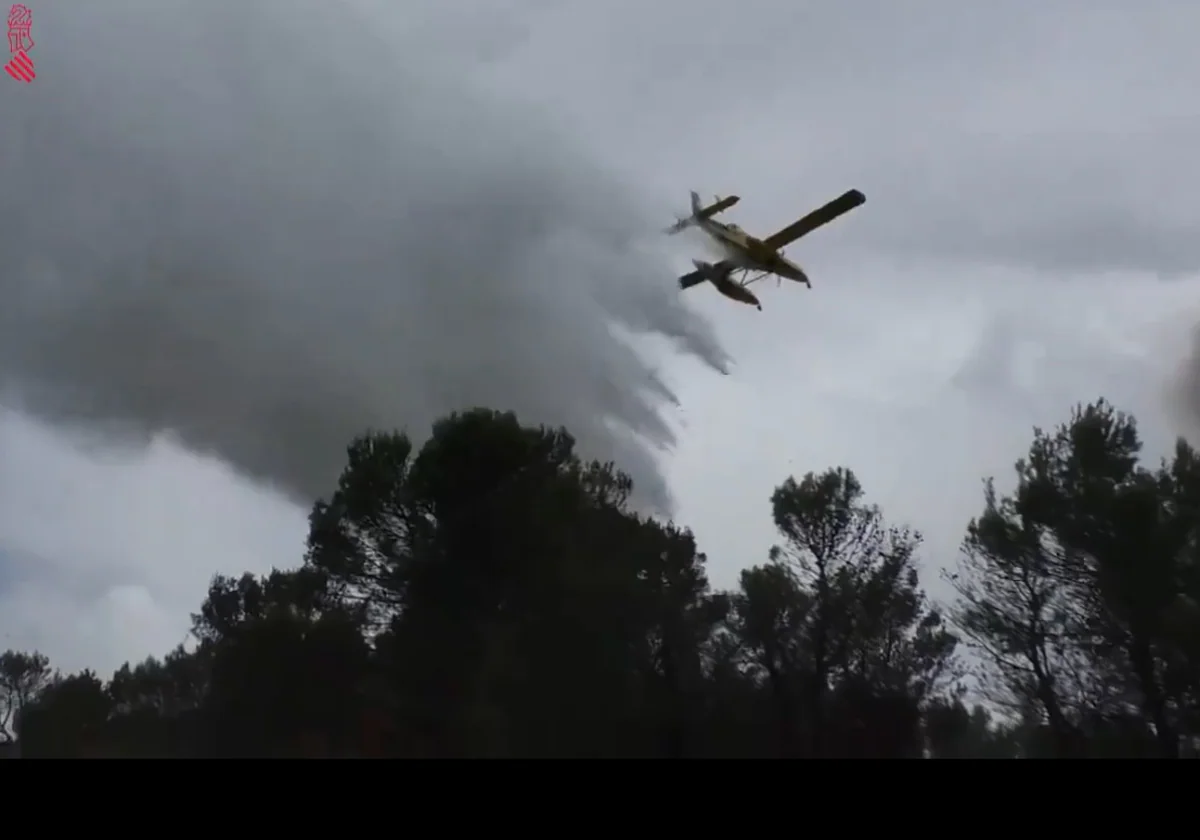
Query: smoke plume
[(264, 228)]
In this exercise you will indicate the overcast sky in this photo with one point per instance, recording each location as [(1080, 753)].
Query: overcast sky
[(228, 222)]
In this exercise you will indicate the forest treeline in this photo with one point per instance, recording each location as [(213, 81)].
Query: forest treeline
[(490, 594)]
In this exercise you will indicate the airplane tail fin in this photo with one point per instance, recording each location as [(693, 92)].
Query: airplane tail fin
[(684, 222), (680, 225), (700, 212)]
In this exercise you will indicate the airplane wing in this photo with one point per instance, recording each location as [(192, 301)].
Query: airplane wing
[(698, 276), (821, 216)]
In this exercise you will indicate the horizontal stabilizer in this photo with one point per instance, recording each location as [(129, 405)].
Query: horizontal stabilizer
[(701, 213), (719, 206)]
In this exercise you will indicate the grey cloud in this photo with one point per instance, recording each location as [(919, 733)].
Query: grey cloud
[(1069, 203), (1183, 395), (264, 232), (281, 153), (1057, 136)]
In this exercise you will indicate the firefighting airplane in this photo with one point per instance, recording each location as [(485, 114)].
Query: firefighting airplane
[(749, 258)]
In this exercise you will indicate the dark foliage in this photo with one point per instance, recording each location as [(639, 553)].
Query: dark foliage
[(492, 595)]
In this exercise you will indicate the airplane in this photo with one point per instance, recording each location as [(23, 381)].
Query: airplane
[(746, 255)]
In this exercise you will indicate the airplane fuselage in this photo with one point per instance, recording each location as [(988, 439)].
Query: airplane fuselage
[(745, 251)]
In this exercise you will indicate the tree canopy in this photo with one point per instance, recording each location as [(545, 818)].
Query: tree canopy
[(492, 594)]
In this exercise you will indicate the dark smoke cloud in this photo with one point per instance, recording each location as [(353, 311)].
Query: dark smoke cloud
[(1183, 389), (264, 228)]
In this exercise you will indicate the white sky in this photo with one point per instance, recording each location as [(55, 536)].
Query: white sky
[(1029, 241)]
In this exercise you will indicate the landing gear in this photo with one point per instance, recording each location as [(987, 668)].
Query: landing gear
[(746, 276)]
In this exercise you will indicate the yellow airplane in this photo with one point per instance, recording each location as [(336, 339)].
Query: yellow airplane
[(748, 257)]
